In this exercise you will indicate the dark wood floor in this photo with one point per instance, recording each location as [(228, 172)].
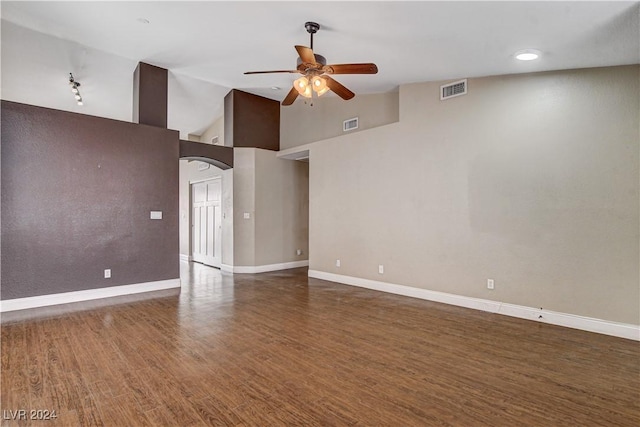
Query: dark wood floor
[(281, 349)]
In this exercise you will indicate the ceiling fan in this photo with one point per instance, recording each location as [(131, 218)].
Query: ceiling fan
[(316, 74)]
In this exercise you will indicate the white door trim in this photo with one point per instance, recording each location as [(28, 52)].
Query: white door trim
[(198, 181)]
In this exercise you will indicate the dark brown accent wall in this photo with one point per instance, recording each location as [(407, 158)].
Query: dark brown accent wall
[(77, 192), (251, 121), (150, 95), (221, 157)]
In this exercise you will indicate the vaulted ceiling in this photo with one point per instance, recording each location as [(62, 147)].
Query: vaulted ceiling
[(208, 45)]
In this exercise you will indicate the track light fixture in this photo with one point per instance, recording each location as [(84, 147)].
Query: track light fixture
[(74, 89)]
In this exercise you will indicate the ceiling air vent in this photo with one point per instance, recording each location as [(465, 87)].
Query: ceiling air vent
[(214, 140), (453, 89), (350, 124)]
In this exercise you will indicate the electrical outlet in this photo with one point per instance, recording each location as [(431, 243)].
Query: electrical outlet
[(381, 269), (490, 284), (107, 273), (299, 252), (247, 215), (337, 263)]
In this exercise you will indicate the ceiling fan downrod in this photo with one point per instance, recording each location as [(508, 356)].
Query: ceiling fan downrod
[(312, 28)]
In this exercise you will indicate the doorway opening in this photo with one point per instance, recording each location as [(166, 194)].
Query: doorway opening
[(206, 222)]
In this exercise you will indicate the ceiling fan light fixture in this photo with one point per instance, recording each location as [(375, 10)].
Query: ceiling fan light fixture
[(319, 85), (303, 87), (323, 91), (301, 83)]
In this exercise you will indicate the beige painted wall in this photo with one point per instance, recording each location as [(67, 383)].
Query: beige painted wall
[(275, 194), (244, 178), (227, 218), (216, 129), (189, 173), (531, 180), (301, 123), (282, 209)]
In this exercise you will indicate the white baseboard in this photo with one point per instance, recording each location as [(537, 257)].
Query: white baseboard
[(226, 268), (186, 258), (86, 295), (622, 330), (264, 268)]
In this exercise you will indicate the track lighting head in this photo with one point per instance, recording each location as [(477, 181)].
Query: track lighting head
[(74, 89)]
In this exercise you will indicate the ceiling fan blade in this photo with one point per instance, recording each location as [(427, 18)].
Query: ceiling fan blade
[(275, 71), (338, 88), (368, 68), (291, 96), (306, 54)]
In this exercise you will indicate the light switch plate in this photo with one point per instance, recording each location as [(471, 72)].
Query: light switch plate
[(247, 215)]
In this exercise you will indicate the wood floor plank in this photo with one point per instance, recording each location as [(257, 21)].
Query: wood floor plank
[(170, 391), (14, 395), (281, 349)]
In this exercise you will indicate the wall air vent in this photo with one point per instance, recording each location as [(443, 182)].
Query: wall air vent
[(214, 140), (454, 89), (350, 124)]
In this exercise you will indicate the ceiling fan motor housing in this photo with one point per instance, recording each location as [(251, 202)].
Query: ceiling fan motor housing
[(319, 59)]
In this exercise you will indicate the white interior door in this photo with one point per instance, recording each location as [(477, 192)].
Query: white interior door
[(206, 222)]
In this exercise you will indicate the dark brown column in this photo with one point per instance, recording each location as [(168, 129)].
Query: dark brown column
[(251, 121), (150, 88)]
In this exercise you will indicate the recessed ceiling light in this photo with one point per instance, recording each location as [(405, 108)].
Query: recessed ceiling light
[(527, 54), (143, 20), (275, 88)]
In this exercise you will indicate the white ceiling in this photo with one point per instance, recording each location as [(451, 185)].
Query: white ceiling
[(208, 45)]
